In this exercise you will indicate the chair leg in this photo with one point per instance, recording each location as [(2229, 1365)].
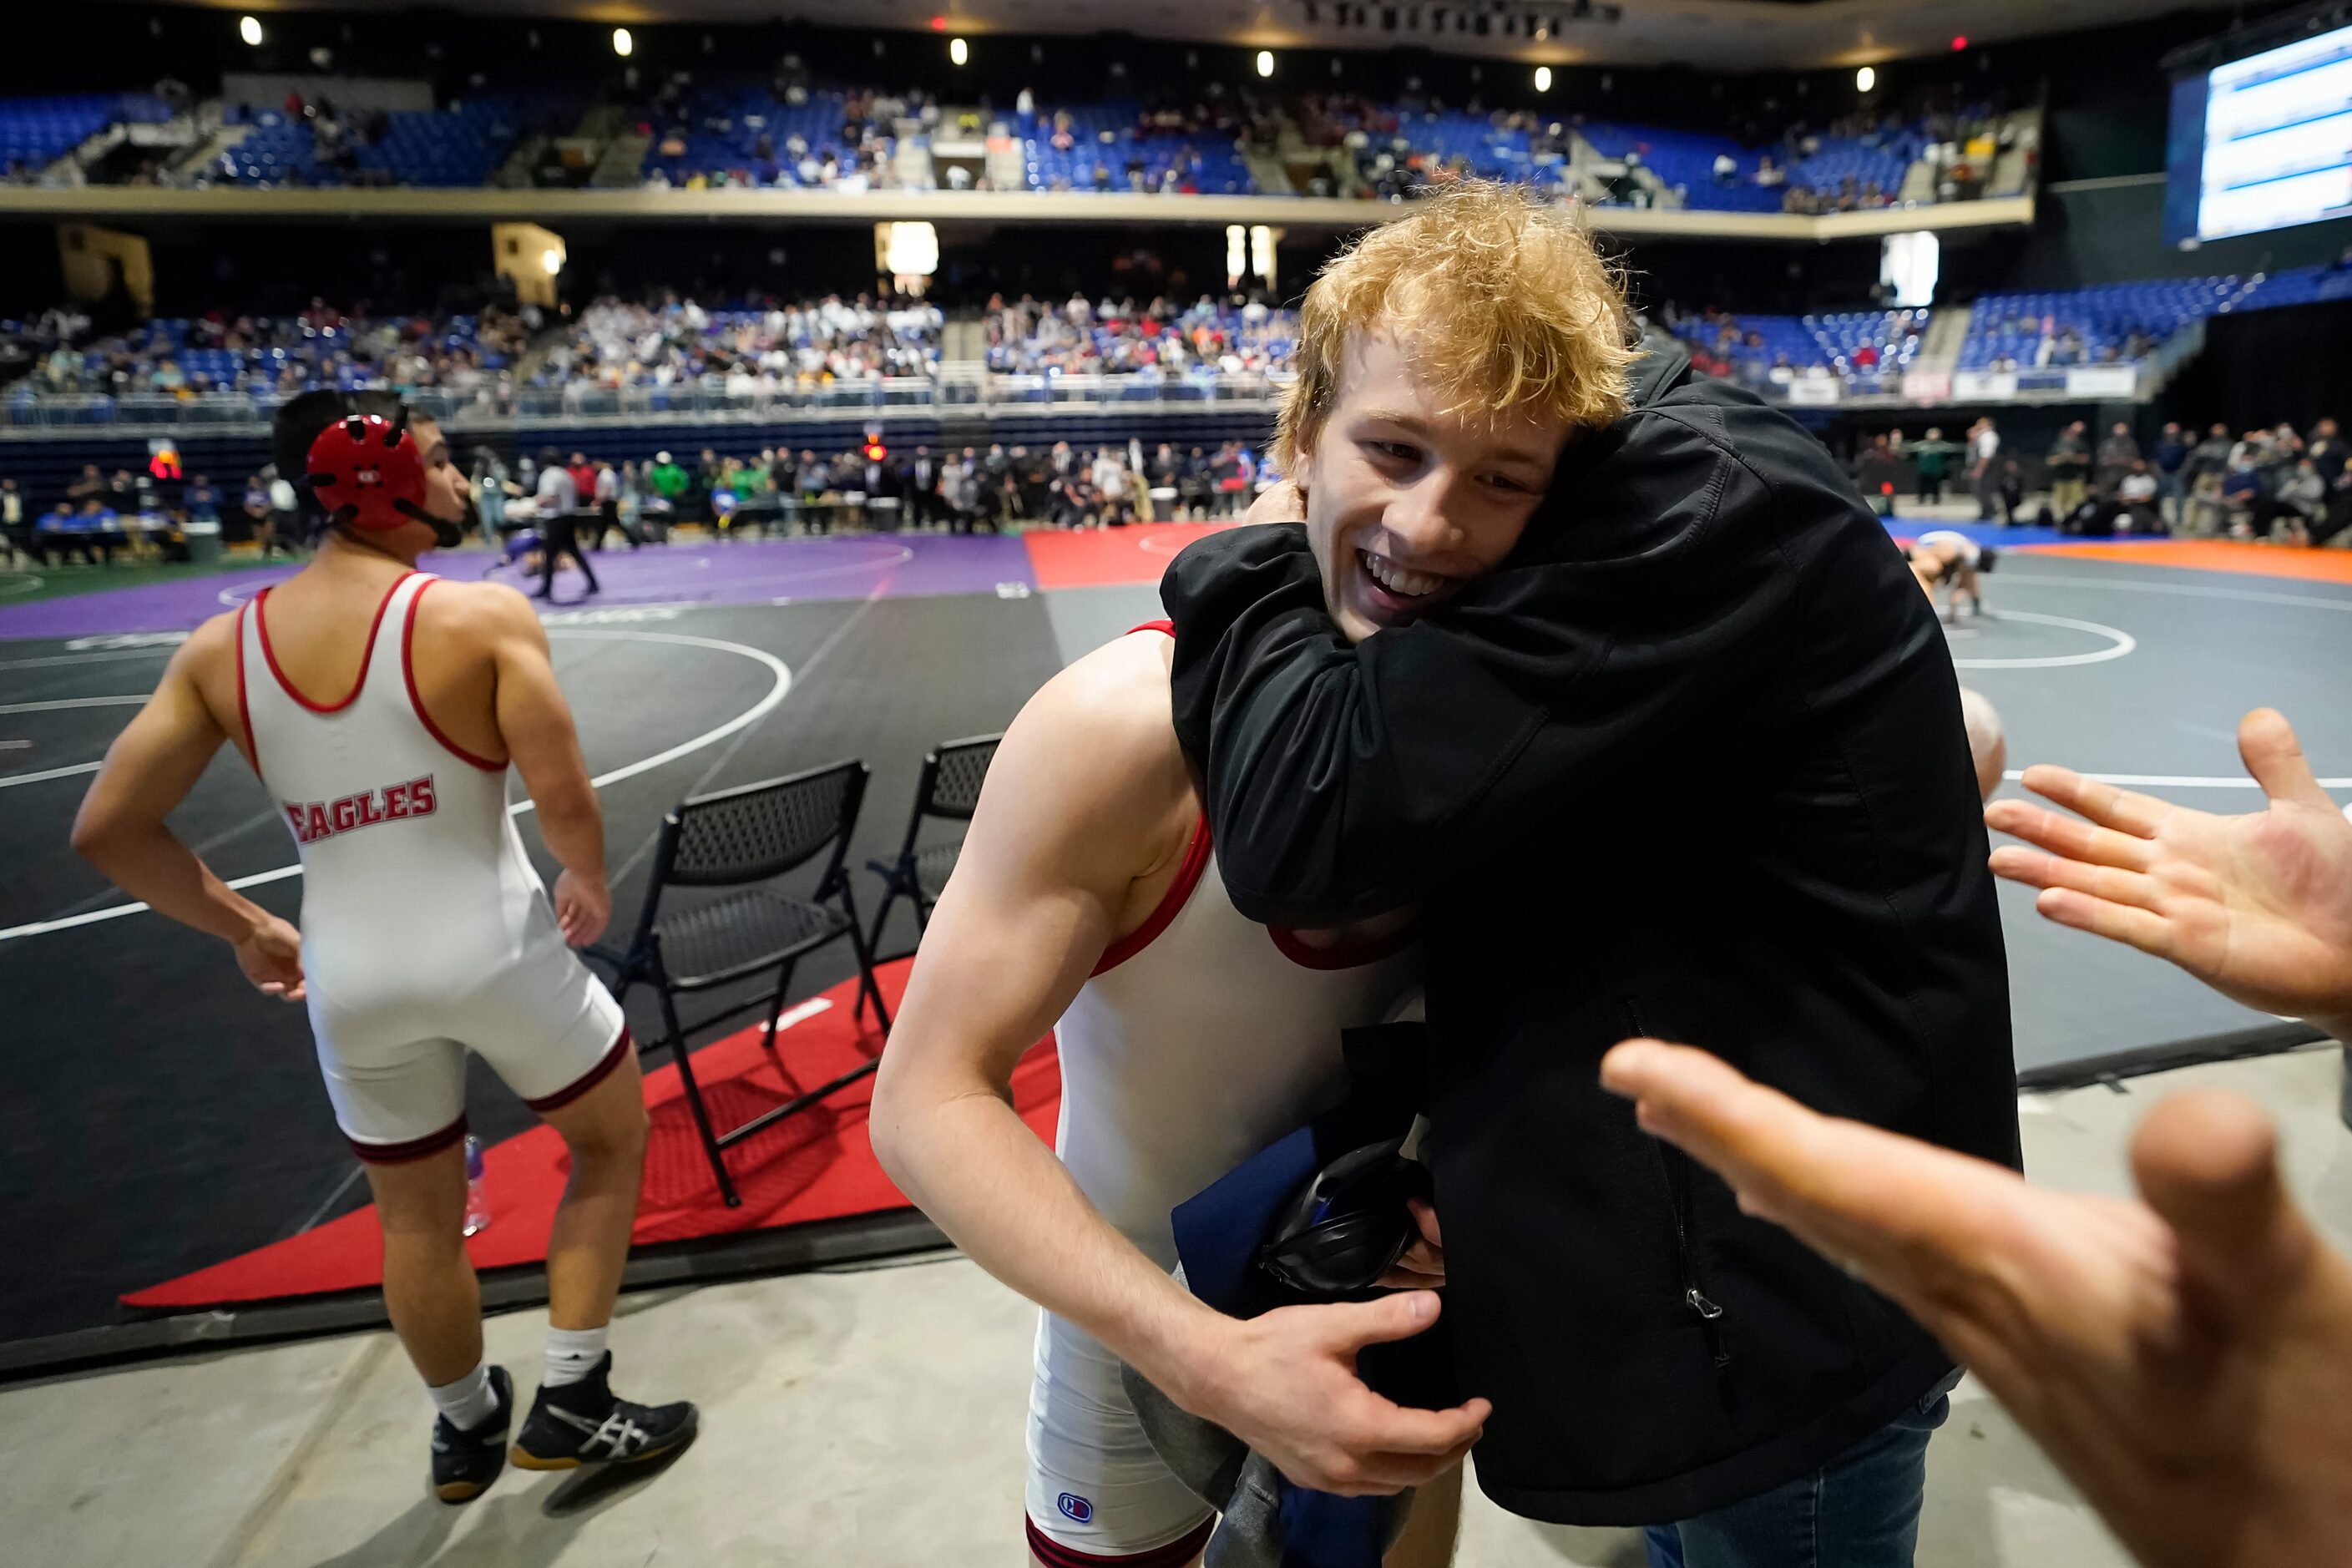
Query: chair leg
[(868, 985), (676, 1038), (890, 889), (776, 1010)]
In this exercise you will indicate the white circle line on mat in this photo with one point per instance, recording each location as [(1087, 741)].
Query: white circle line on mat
[(55, 703), (12, 779), (2119, 643), (108, 655), (776, 693), (2184, 590)]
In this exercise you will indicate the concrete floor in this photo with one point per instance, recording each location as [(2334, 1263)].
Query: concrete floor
[(865, 1417)]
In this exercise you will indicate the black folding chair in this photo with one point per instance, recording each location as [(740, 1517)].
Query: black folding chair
[(949, 791), (734, 839)]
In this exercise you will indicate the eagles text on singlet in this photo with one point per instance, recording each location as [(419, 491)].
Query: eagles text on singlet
[(315, 820)]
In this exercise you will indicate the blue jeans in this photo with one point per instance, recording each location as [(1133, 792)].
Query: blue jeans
[(1860, 1511)]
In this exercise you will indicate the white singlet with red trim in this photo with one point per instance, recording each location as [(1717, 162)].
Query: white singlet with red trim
[(425, 930), (1200, 1040)]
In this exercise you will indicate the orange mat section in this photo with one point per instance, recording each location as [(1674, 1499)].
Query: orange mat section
[(2216, 556), (1094, 557)]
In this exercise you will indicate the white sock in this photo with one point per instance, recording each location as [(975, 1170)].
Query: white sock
[(468, 1402), (572, 1354)]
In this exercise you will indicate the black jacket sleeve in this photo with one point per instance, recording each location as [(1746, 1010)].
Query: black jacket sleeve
[(1658, 584)]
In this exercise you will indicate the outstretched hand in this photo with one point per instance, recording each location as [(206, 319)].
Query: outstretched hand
[(2187, 1359), (2259, 906)]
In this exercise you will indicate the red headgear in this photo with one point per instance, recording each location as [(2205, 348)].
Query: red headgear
[(366, 471)]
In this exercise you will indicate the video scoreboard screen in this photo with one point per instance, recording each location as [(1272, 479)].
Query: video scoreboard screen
[(2262, 142)]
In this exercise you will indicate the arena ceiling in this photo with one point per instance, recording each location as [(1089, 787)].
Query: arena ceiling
[(1723, 34)]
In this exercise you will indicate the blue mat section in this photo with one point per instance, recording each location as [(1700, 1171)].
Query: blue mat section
[(2000, 538)]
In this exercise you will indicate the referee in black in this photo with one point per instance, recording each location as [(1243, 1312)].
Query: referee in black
[(561, 505)]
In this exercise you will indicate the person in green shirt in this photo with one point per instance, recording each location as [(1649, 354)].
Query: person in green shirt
[(666, 479), (1933, 459)]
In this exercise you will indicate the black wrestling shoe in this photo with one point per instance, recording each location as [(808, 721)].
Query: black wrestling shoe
[(465, 1463), (582, 1424)]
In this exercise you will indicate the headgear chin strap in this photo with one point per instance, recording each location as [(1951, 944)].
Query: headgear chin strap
[(365, 472)]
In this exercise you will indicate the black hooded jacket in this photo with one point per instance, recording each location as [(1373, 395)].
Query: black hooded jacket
[(1689, 763)]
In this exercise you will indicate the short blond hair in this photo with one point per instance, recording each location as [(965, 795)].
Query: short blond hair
[(1498, 298)]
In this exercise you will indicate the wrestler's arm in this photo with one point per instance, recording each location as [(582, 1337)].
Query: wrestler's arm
[(1064, 828), (149, 769), (1040, 890), (535, 723)]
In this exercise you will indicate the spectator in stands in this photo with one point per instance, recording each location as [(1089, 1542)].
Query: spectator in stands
[(608, 498), (2136, 492), (201, 502), (2171, 457), (2118, 452), (98, 527), (52, 539), (2208, 462), (15, 537), (2094, 516), (490, 480), (2069, 462), (1874, 473), (668, 482), (2297, 500), (2011, 488), (1932, 458), (2242, 493), (2331, 455), (89, 483), (919, 482)]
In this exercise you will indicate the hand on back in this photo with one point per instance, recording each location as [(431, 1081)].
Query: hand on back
[(1286, 1385)]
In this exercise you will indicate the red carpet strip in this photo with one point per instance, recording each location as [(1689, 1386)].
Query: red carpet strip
[(817, 1165)]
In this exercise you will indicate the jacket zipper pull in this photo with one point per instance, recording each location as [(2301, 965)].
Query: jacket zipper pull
[(1708, 1312)]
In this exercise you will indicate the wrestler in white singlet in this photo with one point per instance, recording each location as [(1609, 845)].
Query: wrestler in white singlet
[(1970, 551), (425, 932), (1201, 1038)]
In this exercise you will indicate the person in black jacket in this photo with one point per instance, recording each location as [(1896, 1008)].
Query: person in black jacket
[(1689, 763)]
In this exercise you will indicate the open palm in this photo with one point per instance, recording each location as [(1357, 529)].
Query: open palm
[(2257, 906), (2182, 1357)]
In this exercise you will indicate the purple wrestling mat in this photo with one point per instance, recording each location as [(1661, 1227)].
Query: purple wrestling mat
[(752, 572)]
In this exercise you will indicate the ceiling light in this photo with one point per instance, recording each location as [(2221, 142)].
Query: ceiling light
[(1865, 80), (1266, 62), (624, 45), (959, 51), (1543, 78), (249, 29)]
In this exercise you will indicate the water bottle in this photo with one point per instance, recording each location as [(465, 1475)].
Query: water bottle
[(477, 1201)]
